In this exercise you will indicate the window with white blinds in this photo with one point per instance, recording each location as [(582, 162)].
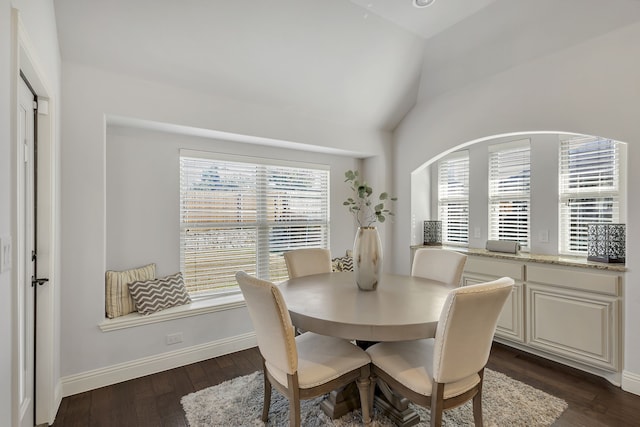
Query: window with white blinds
[(589, 189), (240, 213), (509, 191), (453, 198)]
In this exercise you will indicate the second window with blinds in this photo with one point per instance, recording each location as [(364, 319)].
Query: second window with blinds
[(509, 191), (241, 213), (453, 198), (591, 185)]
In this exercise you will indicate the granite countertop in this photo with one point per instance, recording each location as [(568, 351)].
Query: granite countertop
[(569, 261)]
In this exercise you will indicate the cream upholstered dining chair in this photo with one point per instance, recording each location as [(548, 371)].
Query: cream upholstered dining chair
[(446, 371), (442, 265), (305, 366), (307, 261)]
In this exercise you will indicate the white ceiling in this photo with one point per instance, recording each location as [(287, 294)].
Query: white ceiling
[(425, 22), (357, 62)]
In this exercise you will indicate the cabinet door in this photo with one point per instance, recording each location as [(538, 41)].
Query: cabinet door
[(511, 320), (578, 325)]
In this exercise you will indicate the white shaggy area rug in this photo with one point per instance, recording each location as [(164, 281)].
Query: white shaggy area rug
[(238, 402)]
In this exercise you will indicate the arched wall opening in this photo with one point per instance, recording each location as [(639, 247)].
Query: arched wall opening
[(544, 202)]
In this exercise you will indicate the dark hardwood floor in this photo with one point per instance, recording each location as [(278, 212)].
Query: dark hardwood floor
[(154, 400)]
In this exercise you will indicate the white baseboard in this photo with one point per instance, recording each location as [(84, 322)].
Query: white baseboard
[(631, 382), (97, 378), (614, 377)]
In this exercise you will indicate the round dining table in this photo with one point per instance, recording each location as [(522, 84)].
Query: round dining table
[(401, 308)]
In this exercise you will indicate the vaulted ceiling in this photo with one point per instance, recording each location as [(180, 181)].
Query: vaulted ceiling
[(359, 62)]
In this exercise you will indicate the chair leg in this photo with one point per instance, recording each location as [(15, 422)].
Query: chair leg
[(266, 404), (372, 391), (477, 403), (364, 386), (294, 400), (437, 404)]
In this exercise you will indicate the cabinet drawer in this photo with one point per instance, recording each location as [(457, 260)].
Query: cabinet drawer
[(495, 268), (577, 325), (607, 284)]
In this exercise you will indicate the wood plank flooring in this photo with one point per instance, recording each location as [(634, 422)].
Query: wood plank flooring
[(154, 400)]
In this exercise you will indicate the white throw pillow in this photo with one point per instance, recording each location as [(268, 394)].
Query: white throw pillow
[(118, 301)]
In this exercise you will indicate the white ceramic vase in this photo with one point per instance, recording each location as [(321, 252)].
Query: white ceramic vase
[(367, 258)]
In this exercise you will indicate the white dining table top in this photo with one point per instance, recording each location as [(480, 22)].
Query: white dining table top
[(401, 308)]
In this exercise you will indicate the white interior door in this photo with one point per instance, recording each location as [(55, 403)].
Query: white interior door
[(25, 243)]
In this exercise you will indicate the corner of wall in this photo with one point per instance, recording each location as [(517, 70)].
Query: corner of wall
[(631, 382)]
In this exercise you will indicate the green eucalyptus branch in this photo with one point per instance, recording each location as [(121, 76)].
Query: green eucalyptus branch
[(362, 205)]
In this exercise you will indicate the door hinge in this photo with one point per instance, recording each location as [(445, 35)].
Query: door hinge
[(42, 107), (35, 105)]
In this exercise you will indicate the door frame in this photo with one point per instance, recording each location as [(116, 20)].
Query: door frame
[(25, 238), (48, 390)]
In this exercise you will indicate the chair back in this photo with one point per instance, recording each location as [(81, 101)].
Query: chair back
[(439, 264), (308, 261), (466, 328), (271, 320)]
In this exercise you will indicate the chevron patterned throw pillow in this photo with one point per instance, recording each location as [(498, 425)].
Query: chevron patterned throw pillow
[(344, 263), (155, 295)]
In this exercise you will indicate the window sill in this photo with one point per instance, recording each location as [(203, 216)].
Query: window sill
[(198, 307)]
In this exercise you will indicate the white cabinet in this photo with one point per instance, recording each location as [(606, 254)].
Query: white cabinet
[(511, 320), (570, 314), (575, 314)]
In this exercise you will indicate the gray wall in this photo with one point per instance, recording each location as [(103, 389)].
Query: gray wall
[(92, 99), (143, 199)]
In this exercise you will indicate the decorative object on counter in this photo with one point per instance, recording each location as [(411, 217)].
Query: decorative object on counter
[(606, 243), (503, 246), (367, 247), (432, 233)]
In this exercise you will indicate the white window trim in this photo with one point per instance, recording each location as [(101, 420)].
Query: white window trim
[(511, 145), (212, 155)]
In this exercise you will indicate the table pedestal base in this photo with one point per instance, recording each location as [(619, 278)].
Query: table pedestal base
[(342, 401), (401, 417), (396, 408)]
